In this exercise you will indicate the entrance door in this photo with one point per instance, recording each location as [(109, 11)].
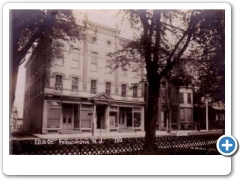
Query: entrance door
[(99, 119), (67, 117), (101, 116), (122, 118)]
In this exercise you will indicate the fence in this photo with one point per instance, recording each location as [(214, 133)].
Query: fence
[(166, 145)]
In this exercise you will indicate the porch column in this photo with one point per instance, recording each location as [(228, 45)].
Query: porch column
[(142, 119), (94, 120), (107, 121), (44, 118)]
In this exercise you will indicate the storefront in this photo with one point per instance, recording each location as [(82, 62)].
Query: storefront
[(102, 113)]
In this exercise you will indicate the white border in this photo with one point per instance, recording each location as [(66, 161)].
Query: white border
[(113, 165)]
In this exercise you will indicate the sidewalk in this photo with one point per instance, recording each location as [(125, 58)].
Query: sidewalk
[(122, 135)]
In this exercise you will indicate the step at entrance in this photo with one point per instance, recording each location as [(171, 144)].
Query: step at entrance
[(70, 132)]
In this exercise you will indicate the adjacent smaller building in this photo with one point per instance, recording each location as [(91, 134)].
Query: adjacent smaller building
[(216, 115), (16, 123), (175, 107)]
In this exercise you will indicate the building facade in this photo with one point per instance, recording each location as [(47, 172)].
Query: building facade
[(79, 92), (175, 107)]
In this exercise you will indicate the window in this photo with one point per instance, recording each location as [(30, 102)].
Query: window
[(135, 91), (182, 114), (75, 57), (75, 84), (124, 89), (75, 63), (108, 88), (181, 98), (86, 116), (94, 40), (94, 61), (109, 43), (93, 86), (53, 118), (189, 98), (124, 72), (113, 119), (188, 114), (58, 83), (137, 119), (108, 69), (58, 61)]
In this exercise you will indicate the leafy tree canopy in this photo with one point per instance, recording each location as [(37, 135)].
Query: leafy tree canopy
[(29, 27)]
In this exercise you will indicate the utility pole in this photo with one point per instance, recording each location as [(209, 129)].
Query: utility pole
[(206, 101)]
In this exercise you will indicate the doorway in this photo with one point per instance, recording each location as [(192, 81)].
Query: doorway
[(101, 116), (67, 116)]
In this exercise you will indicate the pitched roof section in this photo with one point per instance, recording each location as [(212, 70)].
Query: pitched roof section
[(102, 96)]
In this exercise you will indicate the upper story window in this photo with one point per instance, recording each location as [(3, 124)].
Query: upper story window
[(60, 53), (58, 82), (93, 86), (109, 43), (189, 98), (124, 72), (181, 100), (124, 90), (94, 61), (135, 91), (74, 84), (75, 52), (94, 40), (108, 88)]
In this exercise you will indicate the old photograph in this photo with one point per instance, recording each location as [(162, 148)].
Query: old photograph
[(116, 81)]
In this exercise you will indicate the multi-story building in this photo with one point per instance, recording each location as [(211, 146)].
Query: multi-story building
[(80, 93)]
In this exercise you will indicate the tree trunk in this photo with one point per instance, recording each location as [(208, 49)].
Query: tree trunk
[(152, 112)]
